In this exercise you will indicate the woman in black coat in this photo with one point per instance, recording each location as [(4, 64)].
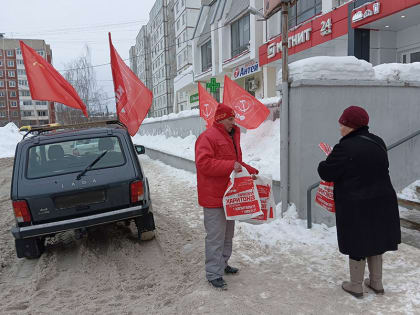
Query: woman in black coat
[(367, 215)]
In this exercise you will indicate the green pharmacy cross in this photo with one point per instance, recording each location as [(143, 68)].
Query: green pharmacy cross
[(213, 85)]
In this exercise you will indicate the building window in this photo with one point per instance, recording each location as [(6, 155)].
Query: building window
[(2, 114), (21, 72), (2, 104), (183, 19), (1, 83), (240, 35), (27, 102), (11, 74), (206, 56), (12, 93), (304, 10), (27, 113), (1, 63), (1, 73), (10, 53), (1, 52), (10, 63), (20, 62), (24, 93), (15, 114), (42, 113), (13, 103), (415, 57), (18, 51), (12, 84), (1, 93), (177, 24)]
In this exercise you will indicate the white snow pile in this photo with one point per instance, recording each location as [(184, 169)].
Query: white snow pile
[(289, 231), (398, 71), (260, 147), (184, 113), (410, 192), (349, 68), (9, 136), (330, 68)]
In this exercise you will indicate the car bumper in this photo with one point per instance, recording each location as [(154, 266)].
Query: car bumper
[(77, 223)]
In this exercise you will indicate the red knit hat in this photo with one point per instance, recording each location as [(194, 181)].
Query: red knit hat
[(354, 117), (223, 111)]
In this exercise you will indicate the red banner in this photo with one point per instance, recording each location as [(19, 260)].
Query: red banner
[(132, 96), (249, 112), (208, 105), (46, 84)]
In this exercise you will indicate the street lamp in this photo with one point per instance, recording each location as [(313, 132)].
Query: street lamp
[(270, 8)]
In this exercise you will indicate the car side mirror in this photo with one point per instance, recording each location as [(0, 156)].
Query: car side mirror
[(140, 149)]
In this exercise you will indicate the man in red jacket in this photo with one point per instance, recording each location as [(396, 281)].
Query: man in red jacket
[(217, 154)]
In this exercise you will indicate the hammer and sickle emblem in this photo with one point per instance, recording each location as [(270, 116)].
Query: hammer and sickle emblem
[(37, 63)]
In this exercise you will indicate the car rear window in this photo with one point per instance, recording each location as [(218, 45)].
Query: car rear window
[(73, 156)]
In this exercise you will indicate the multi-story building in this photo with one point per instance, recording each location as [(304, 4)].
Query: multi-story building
[(132, 55), (226, 42), (185, 89), (162, 52), (16, 104), (144, 66)]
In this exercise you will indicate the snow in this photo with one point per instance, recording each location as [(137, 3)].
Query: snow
[(260, 147), (398, 71), (410, 193), (349, 68), (330, 68), (9, 136), (184, 113)]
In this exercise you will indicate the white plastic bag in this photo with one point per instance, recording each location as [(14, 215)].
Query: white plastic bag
[(264, 185), (241, 201)]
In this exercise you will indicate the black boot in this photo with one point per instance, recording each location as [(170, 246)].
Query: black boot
[(219, 283), (231, 270)]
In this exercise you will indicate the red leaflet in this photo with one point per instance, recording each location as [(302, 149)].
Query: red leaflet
[(250, 112), (132, 96), (46, 84)]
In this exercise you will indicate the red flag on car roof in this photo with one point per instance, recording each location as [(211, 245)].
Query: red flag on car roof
[(132, 96), (208, 105), (250, 112), (45, 83)]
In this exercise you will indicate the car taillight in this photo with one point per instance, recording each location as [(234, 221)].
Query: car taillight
[(136, 191), (21, 210)]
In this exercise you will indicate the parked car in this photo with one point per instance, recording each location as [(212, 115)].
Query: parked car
[(55, 189)]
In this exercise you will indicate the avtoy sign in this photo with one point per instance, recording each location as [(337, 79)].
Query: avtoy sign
[(246, 69)]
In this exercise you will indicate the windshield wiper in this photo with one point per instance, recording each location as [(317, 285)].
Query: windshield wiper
[(90, 165)]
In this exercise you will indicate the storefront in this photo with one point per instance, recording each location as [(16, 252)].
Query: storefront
[(249, 77), (381, 31)]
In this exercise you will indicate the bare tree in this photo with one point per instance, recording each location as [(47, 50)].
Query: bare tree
[(81, 75)]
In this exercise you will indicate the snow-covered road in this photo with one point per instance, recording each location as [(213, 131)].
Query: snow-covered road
[(285, 269)]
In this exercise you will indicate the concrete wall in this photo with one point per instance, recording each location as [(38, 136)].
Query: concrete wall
[(315, 107), (180, 127)]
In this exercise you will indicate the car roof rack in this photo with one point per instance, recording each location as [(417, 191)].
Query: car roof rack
[(56, 126)]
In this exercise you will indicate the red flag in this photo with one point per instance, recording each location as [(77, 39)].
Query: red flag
[(250, 112), (133, 97), (45, 83), (208, 105)]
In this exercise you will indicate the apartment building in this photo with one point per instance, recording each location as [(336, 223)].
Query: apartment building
[(185, 89), (144, 66), (16, 104), (162, 56)]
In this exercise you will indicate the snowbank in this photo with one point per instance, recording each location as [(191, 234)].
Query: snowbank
[(290, 231), (398, 71), (9, 136), (260, 147), (350, 68), (410, 192), (330, 68)]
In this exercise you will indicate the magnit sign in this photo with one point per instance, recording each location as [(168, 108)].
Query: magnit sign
[(245, 70), (293, 41)]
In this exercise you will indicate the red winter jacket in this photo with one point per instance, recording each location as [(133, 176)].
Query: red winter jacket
[(215, 156)]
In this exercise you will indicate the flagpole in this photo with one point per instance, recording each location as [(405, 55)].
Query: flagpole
[(110, 49)]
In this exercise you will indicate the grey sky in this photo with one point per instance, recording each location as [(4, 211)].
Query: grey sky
[(67, 25)]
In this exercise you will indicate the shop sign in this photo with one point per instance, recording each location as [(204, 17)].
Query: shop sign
[(360, 14), (213, 86), (326, 27), (246, 69), (293, 41), (194, 98)]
